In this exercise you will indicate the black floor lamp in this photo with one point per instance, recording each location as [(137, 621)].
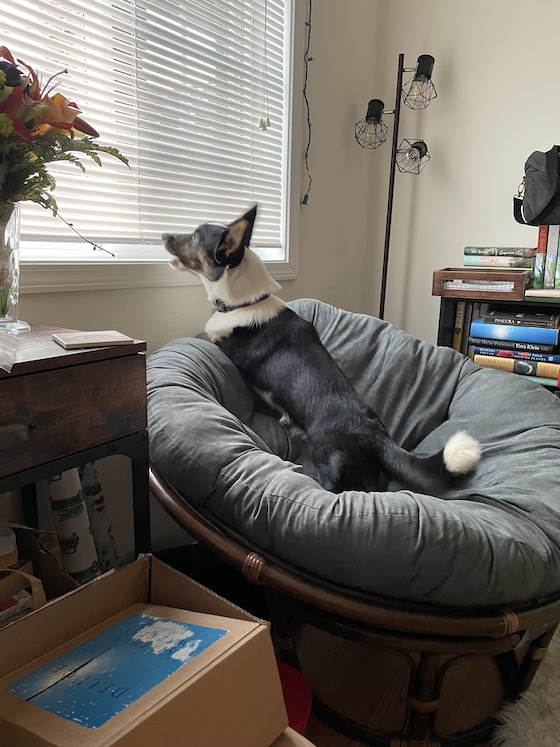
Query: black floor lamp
[(410, 156)]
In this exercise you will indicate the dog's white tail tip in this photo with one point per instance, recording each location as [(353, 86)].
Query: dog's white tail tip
[(461, 453)]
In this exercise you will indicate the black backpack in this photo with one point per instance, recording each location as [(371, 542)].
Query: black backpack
[(538, 201)]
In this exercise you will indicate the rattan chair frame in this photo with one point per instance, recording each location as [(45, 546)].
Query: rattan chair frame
[(432, 634)]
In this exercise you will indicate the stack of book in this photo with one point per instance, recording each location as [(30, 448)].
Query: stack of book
[(523, 342), (543, 260), (500, 256)]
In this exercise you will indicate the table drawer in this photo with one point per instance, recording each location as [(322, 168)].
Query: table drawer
[(50, 414)]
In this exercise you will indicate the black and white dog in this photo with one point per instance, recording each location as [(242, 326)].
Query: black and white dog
[(281, 357)]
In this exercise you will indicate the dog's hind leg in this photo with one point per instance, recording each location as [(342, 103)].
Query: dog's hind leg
[(330, 470), (340, 469)]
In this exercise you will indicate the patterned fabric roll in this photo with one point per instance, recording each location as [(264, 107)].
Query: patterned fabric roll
[(99, 518), (71, 521)]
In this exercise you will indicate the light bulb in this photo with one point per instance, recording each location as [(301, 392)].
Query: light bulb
[(415, 153), (419, 93), (372, 134), (411, 156)]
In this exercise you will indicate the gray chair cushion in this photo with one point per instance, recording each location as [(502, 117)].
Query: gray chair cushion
[(494, 541)]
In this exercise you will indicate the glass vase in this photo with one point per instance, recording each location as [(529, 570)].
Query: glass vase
[(9, 269)]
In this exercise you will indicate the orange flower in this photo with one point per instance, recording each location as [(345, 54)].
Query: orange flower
[(37, 127), (58, 114)]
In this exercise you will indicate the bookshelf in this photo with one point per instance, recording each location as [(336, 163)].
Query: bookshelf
[(532, 300), (448, 310)]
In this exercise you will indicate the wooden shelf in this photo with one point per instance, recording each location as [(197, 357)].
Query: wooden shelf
[(482, 284)]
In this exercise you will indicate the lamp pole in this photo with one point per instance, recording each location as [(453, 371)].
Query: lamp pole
[(411, 156), (391, 187)]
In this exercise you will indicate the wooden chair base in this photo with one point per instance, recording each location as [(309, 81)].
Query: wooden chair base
[(388, 690), (386, 673), (368, 736)]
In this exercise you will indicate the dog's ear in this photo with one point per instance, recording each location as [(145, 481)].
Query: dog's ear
[(235, 238), (250, 216)]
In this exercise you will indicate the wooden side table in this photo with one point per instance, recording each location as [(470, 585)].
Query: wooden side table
[(61, 408)]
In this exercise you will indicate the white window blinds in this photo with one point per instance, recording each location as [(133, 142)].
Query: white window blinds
[(180, 87)]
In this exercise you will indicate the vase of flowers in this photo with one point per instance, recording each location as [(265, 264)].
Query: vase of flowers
[(38, 126)]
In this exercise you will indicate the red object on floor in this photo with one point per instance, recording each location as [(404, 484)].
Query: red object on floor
[(297, 696)]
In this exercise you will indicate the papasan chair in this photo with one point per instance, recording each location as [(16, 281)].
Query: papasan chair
[(438, 609)]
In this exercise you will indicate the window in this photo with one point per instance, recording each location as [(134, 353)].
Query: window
[(179, 86)]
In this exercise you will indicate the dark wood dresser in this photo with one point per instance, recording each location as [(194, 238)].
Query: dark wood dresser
[(63, 408)]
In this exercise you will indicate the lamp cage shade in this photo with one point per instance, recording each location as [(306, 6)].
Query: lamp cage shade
[(412, 156), (371, 131), (419, 91)]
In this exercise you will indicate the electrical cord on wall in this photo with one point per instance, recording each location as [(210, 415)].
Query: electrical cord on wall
[(307, 59)]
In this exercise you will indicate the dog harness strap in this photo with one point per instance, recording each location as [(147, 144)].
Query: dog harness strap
[(223, 307)]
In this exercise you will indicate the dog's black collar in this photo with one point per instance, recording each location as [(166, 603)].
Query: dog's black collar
[(222, 306)]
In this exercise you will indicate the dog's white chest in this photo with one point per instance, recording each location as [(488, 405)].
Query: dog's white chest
[(222, 324)]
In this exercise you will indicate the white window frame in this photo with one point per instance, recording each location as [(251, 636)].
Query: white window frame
[(105, 273)]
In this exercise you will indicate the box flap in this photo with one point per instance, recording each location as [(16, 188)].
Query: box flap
[(27, 638), (173, 589), (291, 738)]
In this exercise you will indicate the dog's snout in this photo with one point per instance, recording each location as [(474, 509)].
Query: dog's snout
[(169, 242)]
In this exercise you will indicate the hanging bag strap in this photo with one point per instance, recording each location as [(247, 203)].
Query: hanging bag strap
[(517, 210), (552, 172)]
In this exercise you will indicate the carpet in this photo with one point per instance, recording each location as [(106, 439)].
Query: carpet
[(533, 720)]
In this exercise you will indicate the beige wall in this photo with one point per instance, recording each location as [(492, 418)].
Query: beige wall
[(496, 76)]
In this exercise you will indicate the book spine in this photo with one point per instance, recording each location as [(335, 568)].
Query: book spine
[(535, 347), (523, 367), (550, 323), (548, 294), (522, 354), (467, 324), (551, 256), (498, 251), (519, 332), (514, 262), (545, 382), (540, 258), (459, 328)]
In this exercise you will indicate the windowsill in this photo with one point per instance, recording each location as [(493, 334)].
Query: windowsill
[(49, 277)]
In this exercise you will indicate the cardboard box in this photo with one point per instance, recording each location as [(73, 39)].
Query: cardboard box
[(227, 695)]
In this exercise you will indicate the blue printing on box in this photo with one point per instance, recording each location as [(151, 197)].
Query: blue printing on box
[(96, 680)]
